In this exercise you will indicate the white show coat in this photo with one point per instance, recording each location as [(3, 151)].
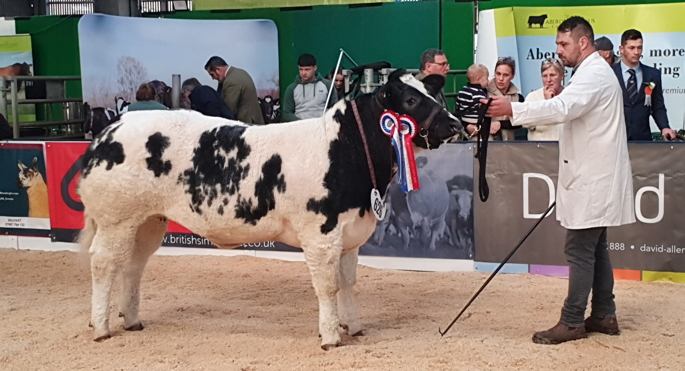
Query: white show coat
[(595, 186)]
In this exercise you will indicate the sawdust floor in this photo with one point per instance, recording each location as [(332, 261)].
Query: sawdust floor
[(246, 313)]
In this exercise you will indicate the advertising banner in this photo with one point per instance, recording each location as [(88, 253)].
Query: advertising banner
[(528, 34), (435, 221), (16, 59), (142, 50), (523, 180), (24, 207)]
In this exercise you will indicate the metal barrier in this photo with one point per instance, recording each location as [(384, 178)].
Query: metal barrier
[(370, 80), (69, 125)]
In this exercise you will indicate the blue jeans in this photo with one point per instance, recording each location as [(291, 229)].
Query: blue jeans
[(589, 270)]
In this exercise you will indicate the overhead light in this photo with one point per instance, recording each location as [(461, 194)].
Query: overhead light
[(180, 5)]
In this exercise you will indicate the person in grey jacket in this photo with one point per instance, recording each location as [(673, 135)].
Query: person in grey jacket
[(306, 97)]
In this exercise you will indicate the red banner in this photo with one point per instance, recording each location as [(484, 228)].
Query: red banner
[(64, 170)]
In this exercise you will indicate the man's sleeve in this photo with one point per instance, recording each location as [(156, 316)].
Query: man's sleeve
[(577, 99), (658, 106), (288, 110)]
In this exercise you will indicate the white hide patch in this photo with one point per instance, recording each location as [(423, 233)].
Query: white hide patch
[(410, 80)]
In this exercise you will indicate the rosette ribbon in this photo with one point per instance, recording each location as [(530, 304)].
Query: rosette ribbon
[(402, 129)]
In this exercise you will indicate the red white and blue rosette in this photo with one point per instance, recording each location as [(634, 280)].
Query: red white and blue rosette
[(401, 130)]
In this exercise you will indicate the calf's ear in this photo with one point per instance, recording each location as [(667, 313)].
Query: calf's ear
[(434, 83)]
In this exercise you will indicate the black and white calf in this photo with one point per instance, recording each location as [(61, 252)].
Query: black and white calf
[(305, 183)]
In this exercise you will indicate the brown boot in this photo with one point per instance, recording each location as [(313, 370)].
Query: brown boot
[(559, 334), (607, 326)]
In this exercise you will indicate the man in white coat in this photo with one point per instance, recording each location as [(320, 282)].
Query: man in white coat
[(595, 188)]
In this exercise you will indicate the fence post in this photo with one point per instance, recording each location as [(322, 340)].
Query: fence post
[(3, 96), (176, 91), (15, 107)]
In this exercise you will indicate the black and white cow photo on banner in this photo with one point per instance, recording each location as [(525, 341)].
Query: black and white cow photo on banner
[(435, 221)]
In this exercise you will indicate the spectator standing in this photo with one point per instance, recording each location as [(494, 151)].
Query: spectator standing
[(238, 90), (306, 97)]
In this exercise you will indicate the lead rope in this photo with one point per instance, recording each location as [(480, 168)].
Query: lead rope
[(483, 127)]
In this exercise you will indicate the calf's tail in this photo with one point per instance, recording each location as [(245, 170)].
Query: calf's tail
[(85, 237)]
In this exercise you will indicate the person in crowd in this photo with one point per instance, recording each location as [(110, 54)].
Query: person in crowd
[(238, 90), (338, 82), (306, 97), (434, 62), (605, 48), (205, 99), (145, 99), (469, 97), (643, 93), (552, 77), (595, 189), (501, 86)]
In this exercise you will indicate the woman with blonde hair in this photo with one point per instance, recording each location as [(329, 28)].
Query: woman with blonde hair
[(552, 77)]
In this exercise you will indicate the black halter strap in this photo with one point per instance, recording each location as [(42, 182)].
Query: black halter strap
[(482, 149)]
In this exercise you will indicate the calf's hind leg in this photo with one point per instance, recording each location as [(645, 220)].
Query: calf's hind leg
[(148, 239), (109, 250)]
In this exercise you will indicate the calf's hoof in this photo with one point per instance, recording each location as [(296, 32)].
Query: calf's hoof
[(329, 346), (100, 338), (137, 327), (356, 331)]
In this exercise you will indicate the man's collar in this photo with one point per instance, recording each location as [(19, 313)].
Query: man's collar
[(625, 68)]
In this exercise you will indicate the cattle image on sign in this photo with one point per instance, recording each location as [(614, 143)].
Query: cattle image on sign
[(307, 184)]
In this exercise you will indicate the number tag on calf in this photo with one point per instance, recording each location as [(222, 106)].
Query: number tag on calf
[(378, 205)]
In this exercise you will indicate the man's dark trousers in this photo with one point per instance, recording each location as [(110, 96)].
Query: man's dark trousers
[(589, 269)]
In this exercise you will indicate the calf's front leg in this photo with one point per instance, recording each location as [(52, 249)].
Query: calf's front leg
[(323, 260)]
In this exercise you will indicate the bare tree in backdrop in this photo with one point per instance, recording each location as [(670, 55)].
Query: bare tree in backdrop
[(130, 74)]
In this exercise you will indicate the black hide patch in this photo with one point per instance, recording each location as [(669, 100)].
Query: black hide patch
[(218, 166), (264, 192), (156, 144), (107, 151), (348, 179)]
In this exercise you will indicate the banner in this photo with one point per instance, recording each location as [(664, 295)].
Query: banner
[(24, 207), (16, 59), (523, 188), (528, 34), (118, 54), (435, 221), (64, 169)]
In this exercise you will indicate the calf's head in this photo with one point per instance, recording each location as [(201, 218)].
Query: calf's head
[(406, 95), (28, 176)]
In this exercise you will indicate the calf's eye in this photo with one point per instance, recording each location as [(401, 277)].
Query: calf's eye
[(411, 101)]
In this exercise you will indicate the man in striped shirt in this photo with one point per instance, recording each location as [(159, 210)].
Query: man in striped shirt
[(468, 100)]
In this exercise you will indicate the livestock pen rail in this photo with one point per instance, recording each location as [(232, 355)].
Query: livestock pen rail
[(62, 114)]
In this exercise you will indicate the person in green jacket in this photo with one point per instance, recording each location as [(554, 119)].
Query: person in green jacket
[(237, 90), (306, 97), (145, 99)]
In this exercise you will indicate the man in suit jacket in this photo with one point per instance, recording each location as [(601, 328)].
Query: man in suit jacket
[(237, 90), (636, 80)]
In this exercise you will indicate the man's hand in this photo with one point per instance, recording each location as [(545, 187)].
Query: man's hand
[(500, 106), (494, 127), (668, 134)]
